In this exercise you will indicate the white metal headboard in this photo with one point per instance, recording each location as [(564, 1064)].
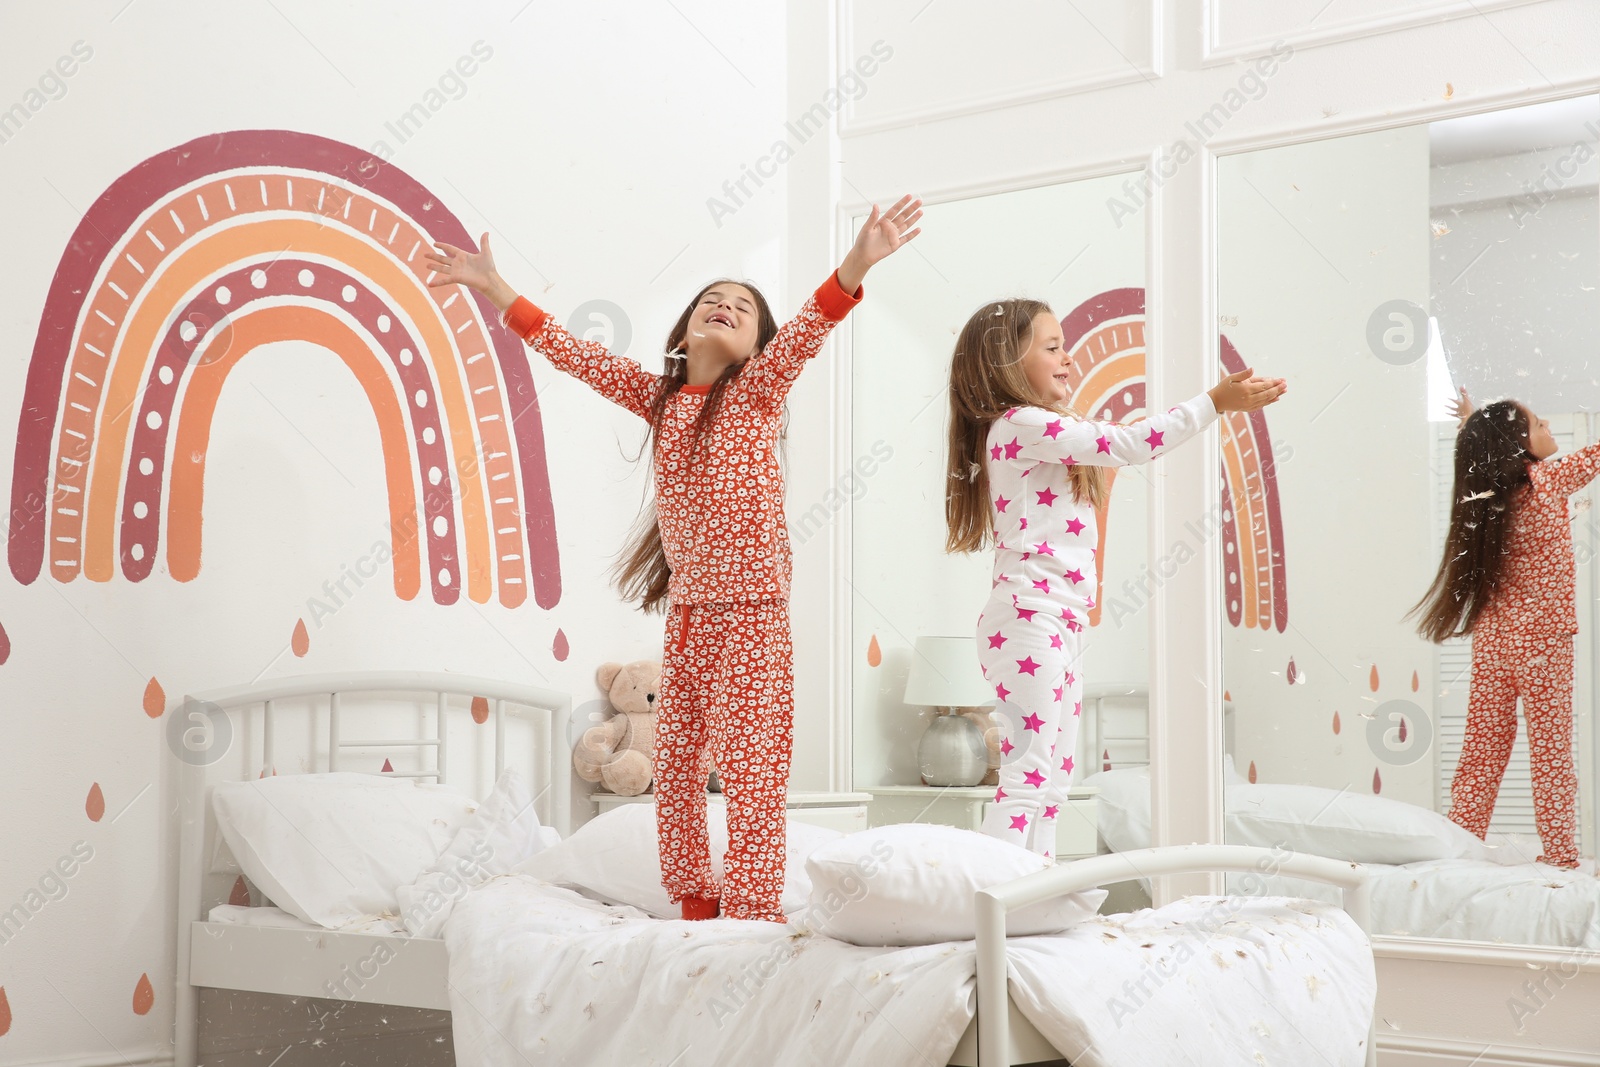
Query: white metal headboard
[(552, 778)]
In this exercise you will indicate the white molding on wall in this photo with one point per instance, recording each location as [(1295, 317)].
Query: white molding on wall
[(136, 1059), (1214, 52), (1154, 67), (1444, 950), (1446, 1052)]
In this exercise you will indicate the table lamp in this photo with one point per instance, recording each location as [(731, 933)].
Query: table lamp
[(955, 749)]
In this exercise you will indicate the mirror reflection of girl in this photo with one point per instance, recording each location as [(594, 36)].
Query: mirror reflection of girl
[(713, 551), (1508, 578), (1026, 474)]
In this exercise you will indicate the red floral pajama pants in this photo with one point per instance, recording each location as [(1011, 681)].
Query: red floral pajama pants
[(1538, 668), (727, 699)]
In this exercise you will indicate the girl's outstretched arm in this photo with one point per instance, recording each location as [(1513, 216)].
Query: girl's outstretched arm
[(773, 370), (617, 378), (1569, 473), (1040, 436)]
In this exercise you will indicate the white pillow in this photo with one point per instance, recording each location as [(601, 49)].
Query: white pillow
[(332, 848), (502, 833), (913, 884), (615, 857), (1344, 826)]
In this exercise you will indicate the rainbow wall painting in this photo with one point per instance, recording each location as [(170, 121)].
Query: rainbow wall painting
[(204, 252), (1105, 335)]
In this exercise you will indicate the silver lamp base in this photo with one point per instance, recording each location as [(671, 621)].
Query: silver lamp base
[(952, 751)]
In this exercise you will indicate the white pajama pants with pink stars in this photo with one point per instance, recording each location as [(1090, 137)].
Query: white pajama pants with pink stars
[(1031, 658)]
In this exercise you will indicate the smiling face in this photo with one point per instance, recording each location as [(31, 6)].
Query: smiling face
[(1045, 361), (1541, 442), (724, 325)]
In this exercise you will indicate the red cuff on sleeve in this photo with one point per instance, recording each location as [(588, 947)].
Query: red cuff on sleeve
[(524, 318), (833, 301)]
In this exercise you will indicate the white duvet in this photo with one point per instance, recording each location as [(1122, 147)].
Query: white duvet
[(539, 974)]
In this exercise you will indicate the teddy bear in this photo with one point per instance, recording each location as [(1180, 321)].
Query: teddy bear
[(620, 752), (990, 725)]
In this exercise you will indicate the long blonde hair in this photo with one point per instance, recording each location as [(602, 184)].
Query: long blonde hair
[(986, 381)]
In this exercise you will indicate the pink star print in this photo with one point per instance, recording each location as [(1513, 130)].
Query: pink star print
[(1044, 549), (1046, 497), (999, 795), (1069, 461), (1050, 811), (1027, 666), (1000, 503), (1006, 747), (1019, 822), (996, 639), (1034, 778), (1066, 764), (1154, 440), (1023, 524), (1043, 585), (1013, 448), (1026, 614), (1052, 428), (1070, 678), (1001, 691), (1031, 721), (1055, 640), (994, 453), (1076, 576), (1102, 444), (1077, 709), (1058, 694), (1075, 526)]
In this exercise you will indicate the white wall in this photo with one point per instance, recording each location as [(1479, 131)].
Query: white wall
[(588, 144)]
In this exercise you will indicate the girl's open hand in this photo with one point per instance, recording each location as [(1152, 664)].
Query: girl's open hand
[(457, 266), (885, 232), (1460, 405), (1245, 392)]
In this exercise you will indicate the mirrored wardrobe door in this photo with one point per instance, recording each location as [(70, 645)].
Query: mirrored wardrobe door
[(1392, 278)]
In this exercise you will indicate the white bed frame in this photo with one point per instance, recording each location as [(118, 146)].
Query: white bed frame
[(297, 962)]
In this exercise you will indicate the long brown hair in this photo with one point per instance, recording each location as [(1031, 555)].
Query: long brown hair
[(1491, 465), (641, 572), (986, 381)]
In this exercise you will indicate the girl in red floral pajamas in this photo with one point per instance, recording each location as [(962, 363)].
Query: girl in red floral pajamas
[(1508, 579), (713, 551)]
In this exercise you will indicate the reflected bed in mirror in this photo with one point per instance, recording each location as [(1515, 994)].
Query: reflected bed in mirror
[(1381, 273)]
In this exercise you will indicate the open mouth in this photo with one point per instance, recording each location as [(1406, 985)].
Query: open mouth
[(721, 317)]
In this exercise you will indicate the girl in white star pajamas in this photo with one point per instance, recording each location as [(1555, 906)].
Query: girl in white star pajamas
[(1040, 517)]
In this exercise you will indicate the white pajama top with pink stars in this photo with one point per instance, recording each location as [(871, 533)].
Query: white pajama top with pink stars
[(1044, 582)]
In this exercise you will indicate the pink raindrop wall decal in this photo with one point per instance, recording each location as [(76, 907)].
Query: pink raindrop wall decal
[(480, 710), (155, 699), (388, 768), (1402, 732), (1292, 673), (5, 645), (95, 806), (1377, 782), (1105, 758), (300, 641), (560, 648), (874, 653), (144, 996), (239, 896)]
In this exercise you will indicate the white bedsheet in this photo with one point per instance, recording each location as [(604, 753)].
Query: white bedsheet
[(1518, 904), (540, 974)]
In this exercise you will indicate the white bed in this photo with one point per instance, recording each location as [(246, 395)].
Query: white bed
[(524, 966)]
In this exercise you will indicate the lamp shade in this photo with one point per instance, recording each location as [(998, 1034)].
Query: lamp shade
[(945, 673)]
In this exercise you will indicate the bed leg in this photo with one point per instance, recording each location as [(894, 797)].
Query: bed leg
[(994, 1021)]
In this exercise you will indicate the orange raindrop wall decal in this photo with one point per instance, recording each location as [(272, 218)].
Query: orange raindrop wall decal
[(480, 710), (1291, 674), (1336, 722), (144, 996), (1377, 781), (1252, 773), (5, 1012), (1106, 336), (1228, 696), (300, 641), (95, 806), (1372, 679), (1416, 682), (155, 699), (560, 648), (239, 897), (205, 252), (874, 653)]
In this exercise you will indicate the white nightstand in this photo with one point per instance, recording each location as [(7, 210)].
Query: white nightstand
[(1076, 827), (845, 812)]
